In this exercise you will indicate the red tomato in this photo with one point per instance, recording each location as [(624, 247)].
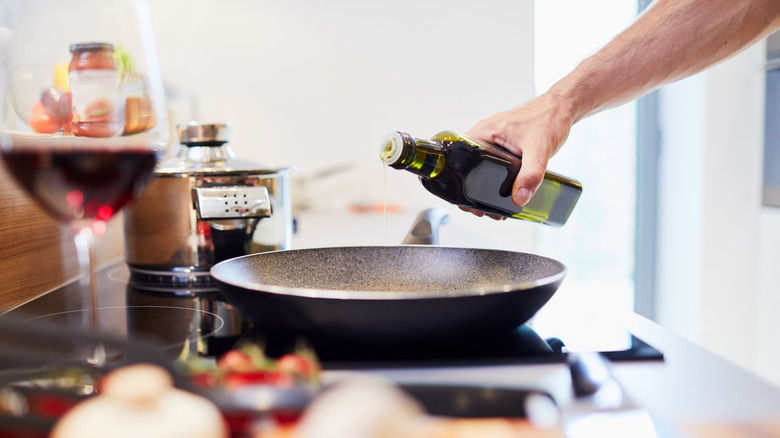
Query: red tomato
[(42, 122), (51, 405), (286, 418), (257, 377), (204, 380), (235, 360), (296, 364)]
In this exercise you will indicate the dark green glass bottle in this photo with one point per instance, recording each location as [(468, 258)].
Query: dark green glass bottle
[(477, 175)]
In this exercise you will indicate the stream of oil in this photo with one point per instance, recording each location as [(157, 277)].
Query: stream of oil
[(384, 164), (386, 261)]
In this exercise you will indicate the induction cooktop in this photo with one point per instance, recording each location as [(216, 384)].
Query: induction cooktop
[(181, 322)]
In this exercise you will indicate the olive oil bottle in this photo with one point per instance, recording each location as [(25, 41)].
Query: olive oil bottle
[(478, 175)]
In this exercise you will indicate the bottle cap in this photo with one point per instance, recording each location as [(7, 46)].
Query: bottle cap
[(390, 147)]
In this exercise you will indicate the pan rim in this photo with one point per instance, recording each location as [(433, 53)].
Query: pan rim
[(369, 295)]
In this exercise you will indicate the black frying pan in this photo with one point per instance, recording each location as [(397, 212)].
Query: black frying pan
[(389, 293)]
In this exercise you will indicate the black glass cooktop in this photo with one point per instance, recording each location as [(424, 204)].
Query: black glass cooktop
[(520, 346), (180, 322)]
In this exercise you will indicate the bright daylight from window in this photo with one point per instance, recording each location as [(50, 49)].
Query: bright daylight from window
[(597, 244)]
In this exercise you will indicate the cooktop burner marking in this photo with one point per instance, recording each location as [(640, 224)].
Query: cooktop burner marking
[(219, 322)]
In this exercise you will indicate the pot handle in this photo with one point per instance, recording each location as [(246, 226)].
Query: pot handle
[(425, 229)]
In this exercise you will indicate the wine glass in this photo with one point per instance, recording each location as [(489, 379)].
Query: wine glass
[(82, 112)]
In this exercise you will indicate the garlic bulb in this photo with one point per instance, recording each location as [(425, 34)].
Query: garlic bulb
[(141, 401), (365, 407)]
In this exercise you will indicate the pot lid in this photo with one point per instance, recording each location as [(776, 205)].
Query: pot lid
[(204, 149)]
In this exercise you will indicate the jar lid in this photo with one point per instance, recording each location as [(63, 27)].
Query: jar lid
[(90, 47)]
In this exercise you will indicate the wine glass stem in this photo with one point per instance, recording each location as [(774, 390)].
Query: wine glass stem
[(85, 250)]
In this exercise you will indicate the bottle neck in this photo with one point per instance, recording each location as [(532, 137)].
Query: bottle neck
[(422, 157)]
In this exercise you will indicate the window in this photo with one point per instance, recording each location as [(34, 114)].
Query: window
[(597, 244)]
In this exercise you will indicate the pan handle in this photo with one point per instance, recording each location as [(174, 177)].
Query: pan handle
[(425, 229)]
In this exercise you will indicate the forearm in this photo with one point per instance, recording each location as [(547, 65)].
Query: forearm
[(672, 40)]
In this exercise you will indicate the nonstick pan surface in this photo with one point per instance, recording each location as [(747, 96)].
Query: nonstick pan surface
[(389, 293)]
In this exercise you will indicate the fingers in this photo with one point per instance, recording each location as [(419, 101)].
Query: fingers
[(482, 213)]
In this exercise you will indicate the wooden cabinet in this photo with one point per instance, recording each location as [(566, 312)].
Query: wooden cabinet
[(37, 253)]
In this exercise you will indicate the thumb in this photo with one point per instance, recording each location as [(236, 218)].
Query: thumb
[(529, 178)]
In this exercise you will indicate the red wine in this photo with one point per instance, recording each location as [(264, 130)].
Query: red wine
[(81, 184)]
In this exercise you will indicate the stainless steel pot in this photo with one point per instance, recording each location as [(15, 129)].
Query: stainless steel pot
[(202, 207)]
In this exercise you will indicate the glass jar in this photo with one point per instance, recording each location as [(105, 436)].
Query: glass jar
[(97, 90), (139, 111)]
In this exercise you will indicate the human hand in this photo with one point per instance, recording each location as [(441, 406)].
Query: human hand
[(536, 130), (481, 213)]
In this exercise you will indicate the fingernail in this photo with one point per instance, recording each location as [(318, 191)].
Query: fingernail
[(523, 196)]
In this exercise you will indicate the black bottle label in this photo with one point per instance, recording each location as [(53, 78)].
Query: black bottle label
[(484, 184)]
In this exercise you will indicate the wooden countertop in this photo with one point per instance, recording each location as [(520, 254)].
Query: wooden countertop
[(37, 253)]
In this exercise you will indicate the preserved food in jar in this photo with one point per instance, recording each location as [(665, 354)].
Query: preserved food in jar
[(97, 91), (139, 111)]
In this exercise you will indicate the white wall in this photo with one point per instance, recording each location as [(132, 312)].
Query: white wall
[(718, 254), (315, 84)]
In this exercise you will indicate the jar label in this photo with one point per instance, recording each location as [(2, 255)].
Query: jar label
[(98, 97)]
